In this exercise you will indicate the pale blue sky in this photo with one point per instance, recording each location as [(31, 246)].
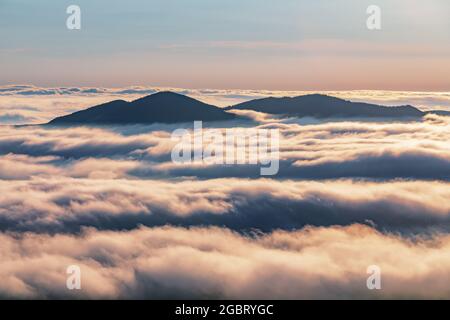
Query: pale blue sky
[(288, 44)]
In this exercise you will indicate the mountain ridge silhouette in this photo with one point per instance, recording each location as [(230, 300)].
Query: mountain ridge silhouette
[(324, 106), (162, 107), (169, 107)]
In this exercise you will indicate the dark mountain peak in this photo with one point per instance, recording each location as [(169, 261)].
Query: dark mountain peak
[(324, 106), (164, 96), (161, 107), (308, 98), (318, 97), (168, 94), (315, 96)]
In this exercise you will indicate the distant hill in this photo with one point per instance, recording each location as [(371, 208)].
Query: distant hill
[(161, 107), (169, 107), (323, 106), (439, 112)]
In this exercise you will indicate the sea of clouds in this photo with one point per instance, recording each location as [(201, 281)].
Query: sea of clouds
[(349, 194)]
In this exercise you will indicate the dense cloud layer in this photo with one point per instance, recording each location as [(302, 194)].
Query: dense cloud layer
[(415, 150), (67, 204), (59, 180), (216, 263), (158, 229)]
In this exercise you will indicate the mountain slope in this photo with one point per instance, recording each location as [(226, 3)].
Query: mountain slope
[(439, 112), (161, 107), (322, 106)]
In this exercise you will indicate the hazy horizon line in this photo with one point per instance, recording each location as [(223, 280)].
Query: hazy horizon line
[(169, 88)]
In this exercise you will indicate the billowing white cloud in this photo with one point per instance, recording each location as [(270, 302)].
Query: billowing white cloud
[(52, 204), (217, 263), (317, 150), (163, 230)]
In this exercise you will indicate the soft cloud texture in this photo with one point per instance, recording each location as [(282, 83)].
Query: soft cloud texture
[(349, 194), (330, 150), (209, 263), (68, 204)]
